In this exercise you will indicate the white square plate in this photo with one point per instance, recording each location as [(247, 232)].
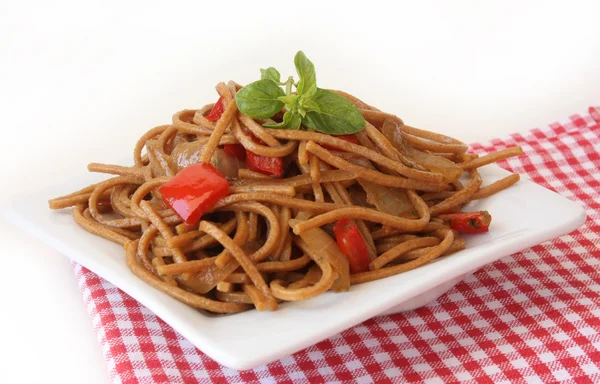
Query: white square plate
[(519, 222)]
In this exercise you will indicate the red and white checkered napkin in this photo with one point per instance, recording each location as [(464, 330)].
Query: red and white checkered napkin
[(533, 316)]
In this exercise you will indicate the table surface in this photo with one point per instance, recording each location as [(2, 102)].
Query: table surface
[(80, 84)]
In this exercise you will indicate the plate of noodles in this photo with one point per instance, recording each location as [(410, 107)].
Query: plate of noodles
[(284, 213)]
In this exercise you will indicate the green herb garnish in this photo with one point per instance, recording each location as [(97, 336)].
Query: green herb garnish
[(313, 107)]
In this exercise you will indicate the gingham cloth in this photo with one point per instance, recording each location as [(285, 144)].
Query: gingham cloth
[(530, 317)]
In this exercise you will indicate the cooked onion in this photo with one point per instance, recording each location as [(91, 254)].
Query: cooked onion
[(388, 200), (320, 243), (433, 163), (185, 154)]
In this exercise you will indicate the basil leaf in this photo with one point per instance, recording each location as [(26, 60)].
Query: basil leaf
[(270, 74), (309, 105), (307, 85), (337, 116), (259, 100), (291, 120)]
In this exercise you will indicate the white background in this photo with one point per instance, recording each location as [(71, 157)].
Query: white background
[(81, 81)]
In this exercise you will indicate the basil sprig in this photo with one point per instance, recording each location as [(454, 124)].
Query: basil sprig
[(260, 100), (319, 109)]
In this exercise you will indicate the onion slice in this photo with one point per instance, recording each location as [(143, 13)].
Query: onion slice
[(437, 164)]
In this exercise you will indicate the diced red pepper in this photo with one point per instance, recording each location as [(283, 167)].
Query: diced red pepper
[(193, 191), (272, 166), (236, 150), (216, 111), (350, 138), (468, 222), (352, 245)]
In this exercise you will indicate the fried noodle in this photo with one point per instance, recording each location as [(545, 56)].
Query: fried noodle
[(271, 239)]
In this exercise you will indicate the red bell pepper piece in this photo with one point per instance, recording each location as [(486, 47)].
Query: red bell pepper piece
[(349, 138), (272, 166), (216, 111), (236, 150), (193, 191), (352, 245), (268, 165), (468, 222)]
